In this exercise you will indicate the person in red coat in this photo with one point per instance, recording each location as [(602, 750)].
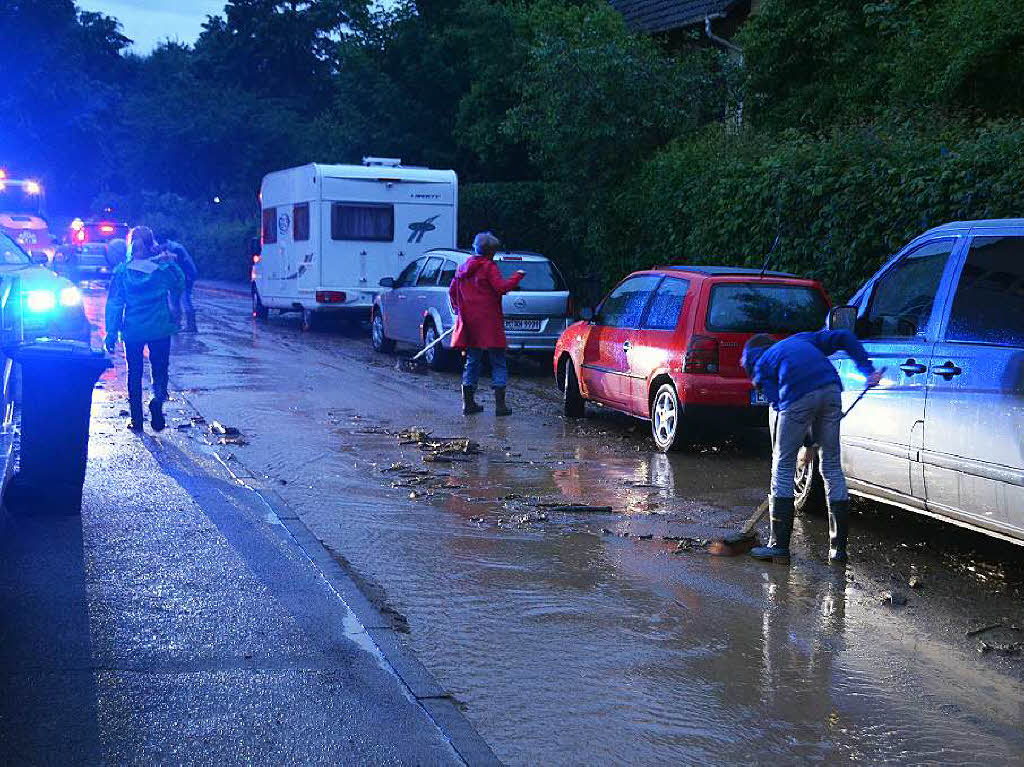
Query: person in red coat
[(476, 295)]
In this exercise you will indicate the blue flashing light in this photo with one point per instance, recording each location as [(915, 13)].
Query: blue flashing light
[(40, 301)]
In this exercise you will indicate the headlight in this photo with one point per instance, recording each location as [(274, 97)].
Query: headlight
[(39, 301), (70, 296)]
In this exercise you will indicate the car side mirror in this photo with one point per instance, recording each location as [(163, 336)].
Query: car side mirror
[(843, 318), (387, 282), (587, 314), (38, 258)]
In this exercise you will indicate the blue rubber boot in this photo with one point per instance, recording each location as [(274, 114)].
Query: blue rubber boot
[(781, 521), (838, 531)]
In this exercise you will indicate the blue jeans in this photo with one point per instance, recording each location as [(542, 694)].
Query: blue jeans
[(499, 368), (820, 413)]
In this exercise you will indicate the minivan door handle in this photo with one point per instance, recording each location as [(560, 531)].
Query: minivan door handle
[(947, 370), (912, 367)]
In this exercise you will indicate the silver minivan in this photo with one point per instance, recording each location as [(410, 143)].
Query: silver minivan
[(414, 308), (943, 433)]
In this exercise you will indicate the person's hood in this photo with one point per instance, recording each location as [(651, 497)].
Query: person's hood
[(472, 266)]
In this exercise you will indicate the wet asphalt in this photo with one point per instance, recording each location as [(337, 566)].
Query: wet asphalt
[(178, 621), (574, 636)]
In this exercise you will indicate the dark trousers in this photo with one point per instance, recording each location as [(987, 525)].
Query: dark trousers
[(159, 359)]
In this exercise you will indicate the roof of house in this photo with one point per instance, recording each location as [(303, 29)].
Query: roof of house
[(663, 15)]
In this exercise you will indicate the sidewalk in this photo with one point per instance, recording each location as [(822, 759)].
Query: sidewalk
[(180, 621)]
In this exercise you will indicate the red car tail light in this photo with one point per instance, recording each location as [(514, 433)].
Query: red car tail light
[(330, 297), (701, 355)]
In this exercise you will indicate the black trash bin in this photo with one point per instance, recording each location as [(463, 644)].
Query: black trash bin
[(57, 380)]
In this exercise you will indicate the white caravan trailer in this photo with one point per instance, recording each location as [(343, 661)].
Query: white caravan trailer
[(331, 232)]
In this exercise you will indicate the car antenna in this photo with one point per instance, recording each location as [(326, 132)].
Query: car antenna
[(768, 257)]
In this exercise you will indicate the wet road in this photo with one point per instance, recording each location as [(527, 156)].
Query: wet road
[(577, 637)]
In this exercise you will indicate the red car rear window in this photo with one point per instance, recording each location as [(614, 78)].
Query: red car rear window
[(744, 307)]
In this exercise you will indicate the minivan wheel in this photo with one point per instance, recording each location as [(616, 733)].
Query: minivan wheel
[(435, 356), (574, 406), (381, 342), (809, 487), (666, 418), (259, 311)]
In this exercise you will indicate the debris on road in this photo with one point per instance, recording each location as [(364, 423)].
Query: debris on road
[(893, 598), (983, 629), (1011, 648), (690, 544), (227, 431), (574, 508)]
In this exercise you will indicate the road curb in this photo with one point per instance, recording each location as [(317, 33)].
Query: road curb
[(420, 684)]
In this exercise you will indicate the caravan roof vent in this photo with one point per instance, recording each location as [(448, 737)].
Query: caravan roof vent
[(385, 162)]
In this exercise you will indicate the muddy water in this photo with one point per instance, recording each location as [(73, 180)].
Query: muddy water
[(583, 637)]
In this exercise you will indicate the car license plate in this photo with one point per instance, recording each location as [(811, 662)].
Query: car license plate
[(757, 397), (522, 325)]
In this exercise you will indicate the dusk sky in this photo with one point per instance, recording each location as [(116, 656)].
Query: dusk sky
[(148, 22)]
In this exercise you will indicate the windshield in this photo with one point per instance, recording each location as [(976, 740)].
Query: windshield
[(540, 275), (11, 253), (14, 199), (759, 308)]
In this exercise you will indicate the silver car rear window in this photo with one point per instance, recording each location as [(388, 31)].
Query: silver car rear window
[(540, 275)]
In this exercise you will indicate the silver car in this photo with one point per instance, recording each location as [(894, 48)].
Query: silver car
[(414, 308), (943, 434)]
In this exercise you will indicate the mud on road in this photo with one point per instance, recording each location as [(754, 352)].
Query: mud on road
[(572, 633)]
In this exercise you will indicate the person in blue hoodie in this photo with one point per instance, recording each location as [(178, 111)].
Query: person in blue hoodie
[(805, 396), (139, 299)]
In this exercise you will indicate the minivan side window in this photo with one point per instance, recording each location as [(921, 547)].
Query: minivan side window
[(625, 305), (269, 226), (448, 273), (409, 274), (300, 222), (365, 221), (428, 277), (663, 313), (989, 304), (902, 298)]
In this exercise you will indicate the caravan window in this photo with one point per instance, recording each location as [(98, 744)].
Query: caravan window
[(269, 226), (373, 223), (300, 221)]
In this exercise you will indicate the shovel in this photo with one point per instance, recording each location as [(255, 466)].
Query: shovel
[(746, 539), (417, 364)]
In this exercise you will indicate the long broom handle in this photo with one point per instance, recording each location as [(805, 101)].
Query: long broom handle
[(434, 343)]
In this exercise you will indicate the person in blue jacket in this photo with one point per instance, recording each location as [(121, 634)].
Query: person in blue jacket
[(187, 265), (805, 396)]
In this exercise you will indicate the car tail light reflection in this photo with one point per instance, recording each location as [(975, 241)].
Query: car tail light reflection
[(330, 297), (701, 355)]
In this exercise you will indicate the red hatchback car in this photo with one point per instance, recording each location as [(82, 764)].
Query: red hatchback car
[(665, 344)]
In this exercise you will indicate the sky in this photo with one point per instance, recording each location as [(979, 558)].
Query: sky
[(149, 22)]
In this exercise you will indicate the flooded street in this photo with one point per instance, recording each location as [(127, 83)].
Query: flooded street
[(575, 635)]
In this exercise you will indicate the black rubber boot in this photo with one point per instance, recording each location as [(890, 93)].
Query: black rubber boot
[(781, 521), (469, 405), (135, 421), (838, 530), (500, 408), (156, 414), (190, 323)]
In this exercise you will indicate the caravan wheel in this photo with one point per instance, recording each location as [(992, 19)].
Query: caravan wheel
[(310, 320), (259, 311)]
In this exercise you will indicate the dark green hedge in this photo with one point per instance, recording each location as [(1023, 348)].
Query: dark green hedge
[(839, 204)]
